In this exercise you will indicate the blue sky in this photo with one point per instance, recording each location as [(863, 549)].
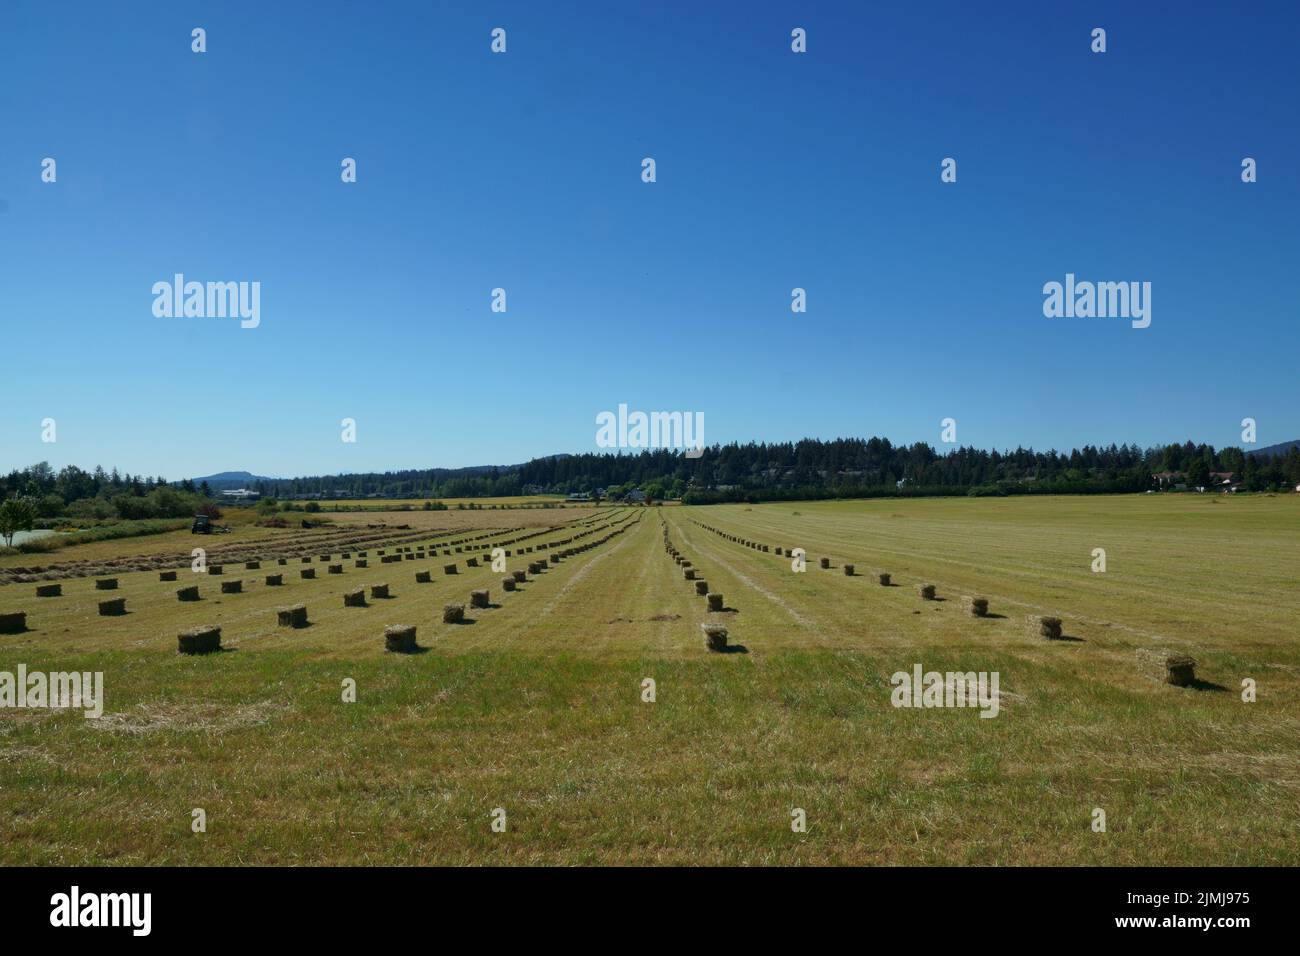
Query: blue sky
[(522, 171)]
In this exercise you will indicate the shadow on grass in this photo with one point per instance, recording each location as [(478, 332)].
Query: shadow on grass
[(734, 649), (417, 649), (1198, 684)]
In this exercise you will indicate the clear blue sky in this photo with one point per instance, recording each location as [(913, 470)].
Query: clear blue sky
[(522, 171)]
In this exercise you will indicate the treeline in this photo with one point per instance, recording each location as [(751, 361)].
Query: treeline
[(479, 482), (847, 467), (842, 468), (73, 492)]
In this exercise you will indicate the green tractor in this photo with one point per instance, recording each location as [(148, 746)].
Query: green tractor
[(203, 525)]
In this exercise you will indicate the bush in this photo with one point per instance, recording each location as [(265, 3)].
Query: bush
[(50, 506), (96, 509), (41, 545)]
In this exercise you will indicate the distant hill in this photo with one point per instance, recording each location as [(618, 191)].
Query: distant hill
[(1274, 451), (224, 480)]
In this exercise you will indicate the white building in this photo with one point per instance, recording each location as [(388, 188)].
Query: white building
[(239, 494)]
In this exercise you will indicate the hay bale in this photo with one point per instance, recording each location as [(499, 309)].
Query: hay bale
[(975, 606), (293, 616), (363, 554), (274, 580), (508, 584), (14, 623), (449, 569), (688, 574), (715, 601), (232, 587), (336, 569), (400, 638), (453, 613), (354, 598), (423, 577), (346, 555), (1166, 666), (324, 558), (379, 590), (252, 565), (825, 563), (166, 575), (307, 573), (472, 563), (106, 584), (926, 592), (112, 607), (555, 559), (715, 637), (361, 563), (884, 578), (701, 586), (779, 552), (1041, 626), (199, 640), (519, 576), (479, 598), (214, 569), (848, 570), (49, 590), (188, 594)]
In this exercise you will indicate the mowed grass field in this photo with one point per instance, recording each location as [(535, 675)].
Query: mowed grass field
[(536, 707), (415, 504)]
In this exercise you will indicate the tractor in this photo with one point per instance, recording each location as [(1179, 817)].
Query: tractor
[(203, 525)]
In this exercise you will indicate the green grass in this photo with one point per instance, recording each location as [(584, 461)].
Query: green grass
[(536, 707)]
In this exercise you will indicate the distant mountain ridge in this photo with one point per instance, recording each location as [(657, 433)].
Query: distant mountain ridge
[(1274, 451), (225, 480)]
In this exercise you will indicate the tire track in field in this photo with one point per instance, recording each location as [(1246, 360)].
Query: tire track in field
[(745, 579)]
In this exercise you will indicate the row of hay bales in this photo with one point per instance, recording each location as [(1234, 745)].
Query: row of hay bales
[(17, 622), (251, 552), (715, 634), (975, 606), (397, 637), (1169, 666)]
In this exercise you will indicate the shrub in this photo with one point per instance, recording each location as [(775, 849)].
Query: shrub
[(50, 506)]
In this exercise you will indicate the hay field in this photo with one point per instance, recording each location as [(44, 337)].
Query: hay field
[(536, 706), (518, 502)]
